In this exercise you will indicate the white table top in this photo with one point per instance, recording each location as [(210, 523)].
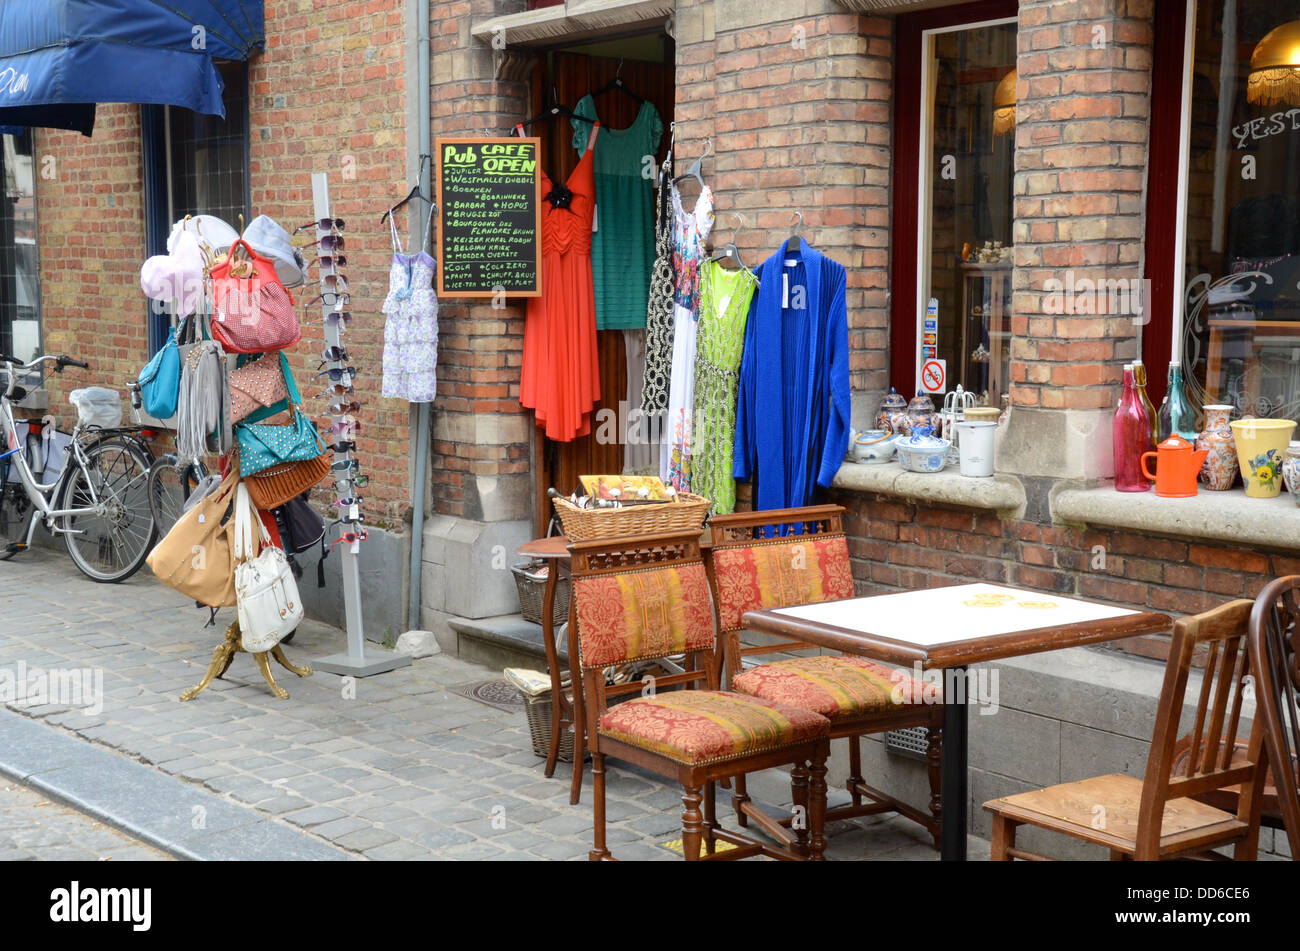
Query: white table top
[(950, 615)]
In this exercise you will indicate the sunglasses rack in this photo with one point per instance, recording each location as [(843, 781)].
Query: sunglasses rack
[(360, 660)]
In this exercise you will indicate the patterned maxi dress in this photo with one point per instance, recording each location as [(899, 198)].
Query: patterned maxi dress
[(659, 308), (725, 296), (411, 324), (690, 230)]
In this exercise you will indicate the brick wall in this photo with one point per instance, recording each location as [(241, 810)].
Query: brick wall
[(1083, 109), (799, 112), (326, 95)]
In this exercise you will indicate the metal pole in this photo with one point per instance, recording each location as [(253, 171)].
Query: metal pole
[(423, 411), (355, 662)]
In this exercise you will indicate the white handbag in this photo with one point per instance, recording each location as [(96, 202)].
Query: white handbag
[(268, 602)]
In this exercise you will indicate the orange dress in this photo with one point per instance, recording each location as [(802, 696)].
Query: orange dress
[(560, 377)]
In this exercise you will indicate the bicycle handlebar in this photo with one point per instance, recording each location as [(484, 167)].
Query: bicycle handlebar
[(10, 362)]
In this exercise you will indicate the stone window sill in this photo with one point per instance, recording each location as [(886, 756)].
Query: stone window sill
[(571, 20), (1229, 516), (1002, 494)]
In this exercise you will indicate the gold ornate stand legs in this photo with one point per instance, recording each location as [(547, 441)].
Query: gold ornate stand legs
[(224, 653)]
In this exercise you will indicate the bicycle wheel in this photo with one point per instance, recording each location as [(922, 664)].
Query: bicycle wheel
[(113, 545), (170, 484)]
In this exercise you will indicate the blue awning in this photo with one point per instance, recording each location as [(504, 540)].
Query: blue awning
[(58, 58)]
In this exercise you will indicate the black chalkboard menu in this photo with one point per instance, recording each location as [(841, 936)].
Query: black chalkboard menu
[(490, 225)]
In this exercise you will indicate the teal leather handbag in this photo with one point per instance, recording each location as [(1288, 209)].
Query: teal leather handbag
[(264, 445), (160, 380)]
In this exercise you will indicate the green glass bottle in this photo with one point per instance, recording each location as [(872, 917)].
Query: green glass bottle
[(1140, 381), (1176, 413)]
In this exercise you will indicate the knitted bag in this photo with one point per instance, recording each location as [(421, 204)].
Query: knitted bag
[(252, 310), (275, 486)]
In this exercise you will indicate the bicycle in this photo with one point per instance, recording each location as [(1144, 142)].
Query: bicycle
[(171, 479), (99, 501)]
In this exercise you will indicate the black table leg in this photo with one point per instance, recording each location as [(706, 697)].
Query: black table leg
[(956, 795)]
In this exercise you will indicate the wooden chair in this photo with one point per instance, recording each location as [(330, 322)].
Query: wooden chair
[(647, 597), (1157, 817), (757, 561), (1274, 630)]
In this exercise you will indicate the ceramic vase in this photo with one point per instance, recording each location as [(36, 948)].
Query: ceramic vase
[(892, 417), (920, 412), (1261, 447), (1220, 469), (1291, 470)]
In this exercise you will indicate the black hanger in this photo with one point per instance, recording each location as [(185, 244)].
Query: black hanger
[(549, 113), (694, 170), (793, 244), (731, 252), (413, 193), (617, 83)]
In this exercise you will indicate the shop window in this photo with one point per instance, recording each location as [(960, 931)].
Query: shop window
[(954, 172), (195, 165), (20, 309), (1239, 339)]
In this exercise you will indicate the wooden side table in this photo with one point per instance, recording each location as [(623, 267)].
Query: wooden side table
[(565, 712)]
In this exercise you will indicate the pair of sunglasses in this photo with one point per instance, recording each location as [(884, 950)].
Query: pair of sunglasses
[(324, 224), (330, 242), (345, 465), (348, 426), (350, 538), (348, 446), (332, 299), (355, 500), (339, 373), (334, 355), (336, 390), (330, 260), (360, 481), (342, 409)]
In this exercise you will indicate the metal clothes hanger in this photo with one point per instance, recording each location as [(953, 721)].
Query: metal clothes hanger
[(556, 109), (413, 193), (694, 170), (730, 252)]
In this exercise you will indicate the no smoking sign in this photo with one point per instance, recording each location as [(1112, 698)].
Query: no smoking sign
[(934, 376)]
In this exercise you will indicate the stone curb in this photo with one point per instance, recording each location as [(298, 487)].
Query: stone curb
[(149, 805)]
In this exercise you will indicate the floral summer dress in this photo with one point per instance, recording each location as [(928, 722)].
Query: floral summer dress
[(411, 327), (690, 230)]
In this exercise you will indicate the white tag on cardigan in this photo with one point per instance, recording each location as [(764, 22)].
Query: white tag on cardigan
[(202, 518), (785, 289), (595, 219)]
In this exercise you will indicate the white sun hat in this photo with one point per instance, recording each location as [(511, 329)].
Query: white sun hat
[(212, 234), (265, 236)]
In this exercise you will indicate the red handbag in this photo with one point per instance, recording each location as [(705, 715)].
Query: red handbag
[(251, 310)]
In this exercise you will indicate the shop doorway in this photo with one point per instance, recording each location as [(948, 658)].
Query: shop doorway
[(645, 64), (954, 165)]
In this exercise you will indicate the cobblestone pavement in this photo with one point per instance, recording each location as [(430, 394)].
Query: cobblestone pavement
[(33, 827), (389, 767)]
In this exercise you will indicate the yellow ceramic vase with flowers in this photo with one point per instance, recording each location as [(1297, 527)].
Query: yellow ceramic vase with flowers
[(1261, 449)]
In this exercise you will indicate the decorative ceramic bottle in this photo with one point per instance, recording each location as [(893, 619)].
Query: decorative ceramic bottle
[(1131, 434), (920, 412), (1291, 469), (893, 408), (1220, 469), (1140, 381), (1176, 414)]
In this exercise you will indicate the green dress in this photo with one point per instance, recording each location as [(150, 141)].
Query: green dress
[(725, 297), (622, 247)]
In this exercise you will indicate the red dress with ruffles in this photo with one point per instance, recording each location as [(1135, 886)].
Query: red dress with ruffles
[(560, 377)]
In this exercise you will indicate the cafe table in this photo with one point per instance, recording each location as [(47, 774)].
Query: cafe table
[(948, 629)]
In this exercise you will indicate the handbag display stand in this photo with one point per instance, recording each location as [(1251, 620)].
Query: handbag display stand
[(224, 653), (360, 660)]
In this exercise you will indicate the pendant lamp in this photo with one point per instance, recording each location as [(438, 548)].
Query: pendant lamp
[(1004, 105), (1275, 68)]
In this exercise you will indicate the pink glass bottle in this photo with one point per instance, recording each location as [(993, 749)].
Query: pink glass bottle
[(1132, 437)]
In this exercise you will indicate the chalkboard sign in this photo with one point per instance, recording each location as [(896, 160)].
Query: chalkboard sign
[(490, 225)]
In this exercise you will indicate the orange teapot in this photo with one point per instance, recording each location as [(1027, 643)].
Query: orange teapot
[(1177, 464)]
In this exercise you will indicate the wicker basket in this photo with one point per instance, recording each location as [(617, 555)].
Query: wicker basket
[(687, 514), (538, 710), (531, 583)]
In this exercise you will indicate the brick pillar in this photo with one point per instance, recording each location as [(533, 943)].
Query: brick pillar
[(1081, 141), (481, 483)]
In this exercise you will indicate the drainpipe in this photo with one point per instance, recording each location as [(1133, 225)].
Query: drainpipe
[(422, 414)]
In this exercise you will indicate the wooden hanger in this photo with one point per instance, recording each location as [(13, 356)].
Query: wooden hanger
[(413, 193), (694, 170)]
